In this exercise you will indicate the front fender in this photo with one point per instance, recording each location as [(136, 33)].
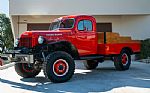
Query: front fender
[(59, 46)]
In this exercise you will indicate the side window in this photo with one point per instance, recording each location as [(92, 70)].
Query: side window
[(85, 25), (68, 23), (81, 25), (88, 25)]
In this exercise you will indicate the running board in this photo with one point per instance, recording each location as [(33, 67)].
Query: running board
[(93, 57)]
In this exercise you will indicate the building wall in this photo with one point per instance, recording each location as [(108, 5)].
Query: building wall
[(19, 23), (67, 7), (128, 17), (15, 26), (135, 26)]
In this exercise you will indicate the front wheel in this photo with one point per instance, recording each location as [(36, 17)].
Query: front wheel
[(26, 70), (59, 67), (122, 61)]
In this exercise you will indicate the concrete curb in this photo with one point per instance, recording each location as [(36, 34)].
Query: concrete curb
[(144, 61)]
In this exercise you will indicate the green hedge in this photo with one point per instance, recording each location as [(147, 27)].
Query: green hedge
[(145, 49)]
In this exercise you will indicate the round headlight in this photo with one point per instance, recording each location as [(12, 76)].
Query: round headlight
[(16, 42), (41, 40)]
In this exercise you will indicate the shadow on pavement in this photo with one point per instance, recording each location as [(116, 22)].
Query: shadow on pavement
[(99, 80)]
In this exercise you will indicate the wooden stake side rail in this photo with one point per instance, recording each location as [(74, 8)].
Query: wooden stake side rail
[(112, 37)]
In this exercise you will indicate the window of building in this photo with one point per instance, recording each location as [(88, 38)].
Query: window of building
[(38, 26), (85, 25), (104, 27)]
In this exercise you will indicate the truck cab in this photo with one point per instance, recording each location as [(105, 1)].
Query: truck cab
[(70, 38), (78, 30)]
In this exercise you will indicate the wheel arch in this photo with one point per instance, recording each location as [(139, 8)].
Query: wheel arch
[(128, 49), (64, 46)]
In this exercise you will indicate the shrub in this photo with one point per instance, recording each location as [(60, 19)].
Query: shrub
[(145, 49)]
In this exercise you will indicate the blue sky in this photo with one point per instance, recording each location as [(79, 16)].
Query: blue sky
[(4, 7)]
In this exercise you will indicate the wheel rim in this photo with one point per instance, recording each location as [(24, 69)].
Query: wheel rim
[(27, 67), (124, 59), (60, 67)]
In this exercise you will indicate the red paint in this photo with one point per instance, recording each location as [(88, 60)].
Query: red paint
[(1, 62), (60, 67), (86, 42), (124, 58), (27, 67), (110, 49)]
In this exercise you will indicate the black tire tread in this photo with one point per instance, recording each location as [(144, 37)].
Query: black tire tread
[(22, 73), (118, 64), (51, 57)]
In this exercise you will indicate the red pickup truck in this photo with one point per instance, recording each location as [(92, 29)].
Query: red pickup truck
[(70, 38)]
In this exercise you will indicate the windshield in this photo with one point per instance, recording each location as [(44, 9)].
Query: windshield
[(54, 25), (63, 24)]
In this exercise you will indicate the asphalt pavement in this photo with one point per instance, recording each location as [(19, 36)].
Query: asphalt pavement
[(104, 79)]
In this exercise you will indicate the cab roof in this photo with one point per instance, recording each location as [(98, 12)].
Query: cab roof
[(74, 16)]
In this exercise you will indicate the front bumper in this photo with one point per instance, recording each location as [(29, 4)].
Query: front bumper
[(14, 56), (17, 57)]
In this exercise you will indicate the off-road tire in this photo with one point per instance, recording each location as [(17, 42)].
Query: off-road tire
[(118, 61), (49, 67), (21, 69)]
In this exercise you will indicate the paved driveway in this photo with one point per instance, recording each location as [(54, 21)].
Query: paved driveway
[(104, 79)]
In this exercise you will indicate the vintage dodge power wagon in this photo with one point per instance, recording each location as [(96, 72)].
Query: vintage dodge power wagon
[(69, 38)]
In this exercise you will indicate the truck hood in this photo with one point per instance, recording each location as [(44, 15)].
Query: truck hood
[(45, 33), (50, 36), (51, 32)]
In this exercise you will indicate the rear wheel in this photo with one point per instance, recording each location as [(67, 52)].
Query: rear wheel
[(26, 70), (91, 64), (59, 67), (122, 61)]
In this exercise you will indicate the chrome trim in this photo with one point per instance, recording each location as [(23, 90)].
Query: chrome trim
[(12, 61), (28, 58), (19, 58)]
